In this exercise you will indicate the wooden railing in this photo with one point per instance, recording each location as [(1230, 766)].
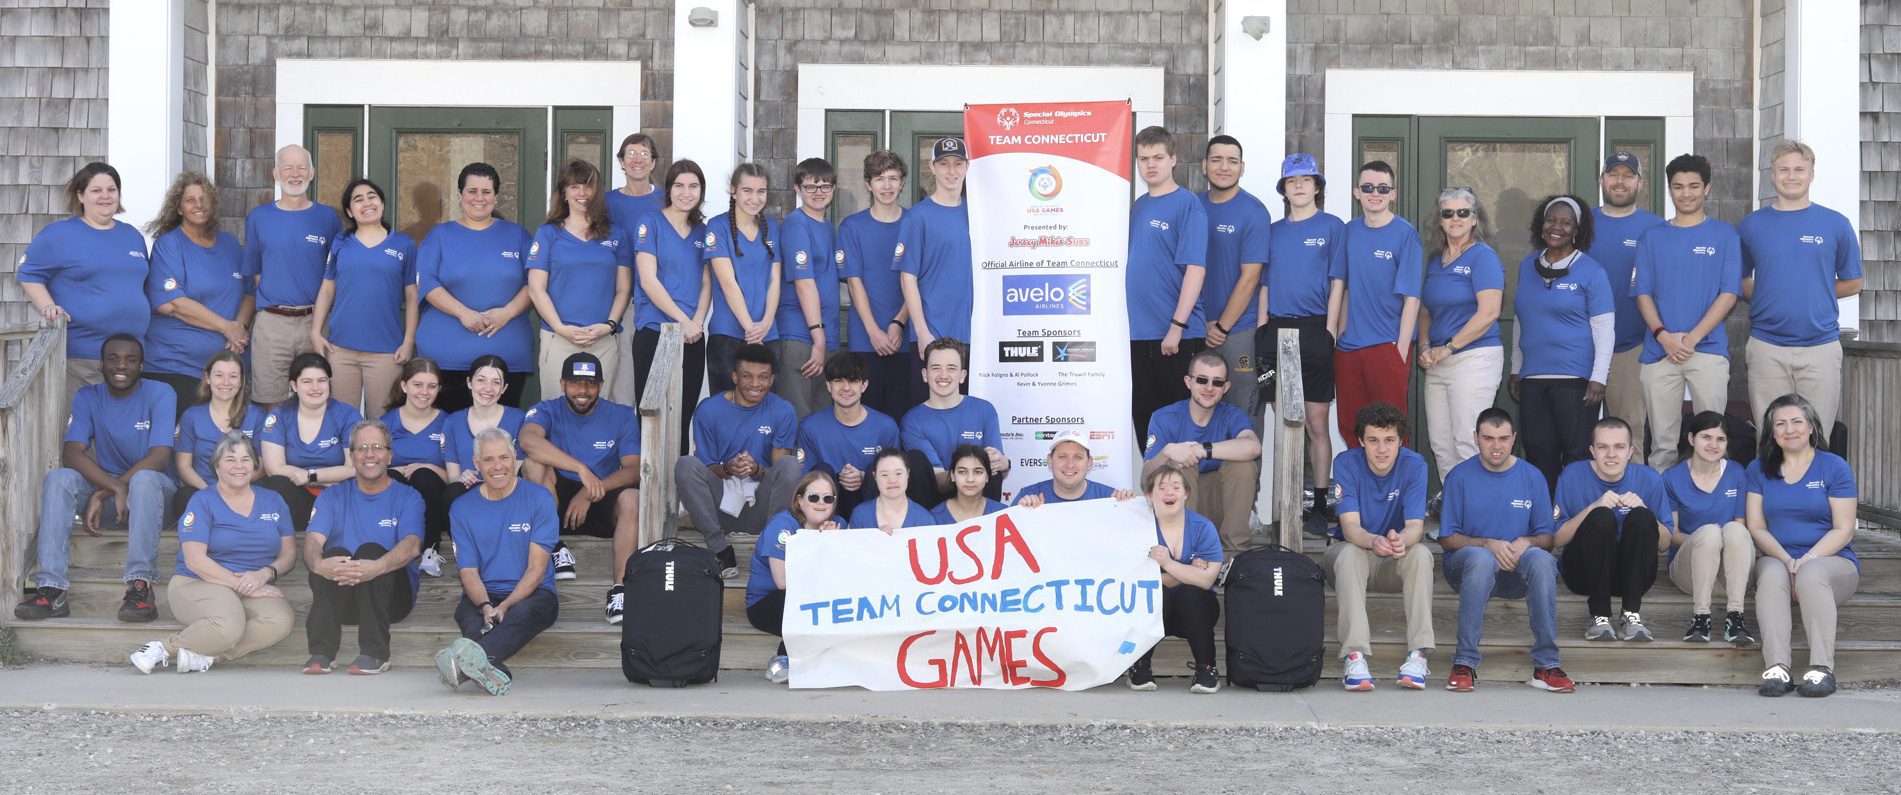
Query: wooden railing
[(660, 438), (1283, 443), (1871, 377), (32, 417)]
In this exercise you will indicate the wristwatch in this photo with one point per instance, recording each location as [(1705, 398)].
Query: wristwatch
[(615, 325), (312, 474), (1207, 450)]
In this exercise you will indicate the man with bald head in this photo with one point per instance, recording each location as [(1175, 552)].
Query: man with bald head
[(285, 245)]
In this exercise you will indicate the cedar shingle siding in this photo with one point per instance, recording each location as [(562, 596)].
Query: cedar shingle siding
[(1881, 171)]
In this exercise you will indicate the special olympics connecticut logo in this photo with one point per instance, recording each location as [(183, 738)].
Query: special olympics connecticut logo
[(1008, 119), (1045, 183)]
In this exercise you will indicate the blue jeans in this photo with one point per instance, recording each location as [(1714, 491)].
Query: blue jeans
[(65, 491), (1473, 572)]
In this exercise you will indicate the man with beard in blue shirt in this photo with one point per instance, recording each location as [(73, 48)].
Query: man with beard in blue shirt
[(1620, 222), (1238, 234)]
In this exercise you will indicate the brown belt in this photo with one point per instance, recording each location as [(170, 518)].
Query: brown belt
[(289, 311)]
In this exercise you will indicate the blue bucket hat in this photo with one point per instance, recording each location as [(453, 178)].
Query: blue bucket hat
[(1299, 164)]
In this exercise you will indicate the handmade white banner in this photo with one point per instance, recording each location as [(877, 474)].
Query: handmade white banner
[(1060, 596), (1048, 190)]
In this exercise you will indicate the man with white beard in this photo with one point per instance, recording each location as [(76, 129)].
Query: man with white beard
[(285, 245)]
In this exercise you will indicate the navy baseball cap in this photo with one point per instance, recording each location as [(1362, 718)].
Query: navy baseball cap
[(949, 146), (1299, 164), (1624, 159), (581, 366)]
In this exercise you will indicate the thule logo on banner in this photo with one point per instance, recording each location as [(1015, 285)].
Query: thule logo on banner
[(1277, 581), (669, 576)]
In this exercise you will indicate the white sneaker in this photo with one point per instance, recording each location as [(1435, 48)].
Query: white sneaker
[(151, 655), (431, 563), (563, 562), (1357, 677), (1413, 672), (779, 670), (192, 662)]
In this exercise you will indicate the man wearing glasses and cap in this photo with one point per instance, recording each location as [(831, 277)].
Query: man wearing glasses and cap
[(1211, 440), (1620, 222), (933, 253)]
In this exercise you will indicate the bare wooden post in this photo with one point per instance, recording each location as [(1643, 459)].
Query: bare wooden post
[(32, 419), (1290, 436), (660, 438)]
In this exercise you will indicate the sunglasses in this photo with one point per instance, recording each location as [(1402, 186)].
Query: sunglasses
[(1203, 380), (1368, 187), (1462, 212), (820, 498)]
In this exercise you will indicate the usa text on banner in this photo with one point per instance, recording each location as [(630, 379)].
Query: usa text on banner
[(1062, 596), (1049, 228)]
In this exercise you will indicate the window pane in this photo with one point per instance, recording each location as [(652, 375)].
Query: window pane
[(426, 168), (926, 184), (1509, 178), (585, 146), (1645, 157), (334, 166), (848, 157), (1381, 150)]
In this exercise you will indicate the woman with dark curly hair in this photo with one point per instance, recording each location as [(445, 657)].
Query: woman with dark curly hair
[(1561, 349), (202, 301)]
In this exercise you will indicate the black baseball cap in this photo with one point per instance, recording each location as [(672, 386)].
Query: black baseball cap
[(949, 146), (1625, 159), (582, 366)]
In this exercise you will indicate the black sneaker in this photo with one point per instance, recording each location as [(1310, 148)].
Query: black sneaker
[(616, 604), (1818, 682), (1775, 681), (1207, 679), (728, 563), (46, 602), (1699, 631), (563, 560), (139, 606), (1736, 630), (1141, 676)]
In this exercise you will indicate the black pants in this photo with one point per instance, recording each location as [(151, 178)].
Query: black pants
[(1190, 613), (1155, 379), (184, 386), (768, 615), (721, 354), (524, 621), (599, 521), (692, 369), (1600, 562), (435, 502), (1316, 359), (298, 498), (847, 500), (923, 486), (1556, 423), (455, 395), (372, 606), (896, 383)]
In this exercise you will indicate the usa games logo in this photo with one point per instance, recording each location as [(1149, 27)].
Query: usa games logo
[(1045, 183), (1074, 351), (1020, 351), (1063, 294)]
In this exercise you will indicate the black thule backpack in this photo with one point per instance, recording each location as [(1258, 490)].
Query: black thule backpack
[(670, 632), (1276, 623)]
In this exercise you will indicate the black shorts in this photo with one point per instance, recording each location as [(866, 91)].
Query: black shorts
[(599, 522), (1316, 357)]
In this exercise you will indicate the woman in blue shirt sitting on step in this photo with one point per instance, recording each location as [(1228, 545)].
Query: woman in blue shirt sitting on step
[(815, 508)]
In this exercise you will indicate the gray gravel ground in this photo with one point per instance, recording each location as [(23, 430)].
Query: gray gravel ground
[(97, 752)]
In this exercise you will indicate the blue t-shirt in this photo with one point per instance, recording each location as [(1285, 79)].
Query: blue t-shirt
[(492, 536), (1684, 271), (1304, 258), (624, 210), (323, 450), (96, 275), (285, 250), (430, 446), (348, 518), (1579, 486), (458, 444), (1239, 231), (1167, 234), (770, 547), (1047, 490), (866, 515), (825, 440), (120, 431), (723, 429), (1696, 507), (1173, 423), (1200, 539), (1384, 502), (367, 312), (238, 542), (213, 277), (1796, 256), (1614, 246), (483, 270), (198, 435), (1384, 268), (808, 251), (679, 264), (942, 515), (1554, 320), (1451, 294), (864, 252), (1798, 514), (598, 438), (752, 272), (1480, 503), (934, 246), (581, 273), (938, 432)]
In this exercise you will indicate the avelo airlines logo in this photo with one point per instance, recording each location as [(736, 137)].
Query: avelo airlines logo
[(1061, 294), (1045, 183)]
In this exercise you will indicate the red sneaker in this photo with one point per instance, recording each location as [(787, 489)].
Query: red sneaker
[(1463, 679), (1552, 679)]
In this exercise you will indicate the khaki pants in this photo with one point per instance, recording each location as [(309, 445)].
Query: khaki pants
[(1354, 571), (1225, 496), (1457, 390), (1814, 373), (1728, 549), (1706, 375), (805, 394), (556, 349), (1624, 395), (1822, 585), (221, 624), (363, 379), (275, 340)]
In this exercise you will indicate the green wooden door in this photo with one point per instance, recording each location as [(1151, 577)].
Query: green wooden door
[(415, 154), (912, 135)]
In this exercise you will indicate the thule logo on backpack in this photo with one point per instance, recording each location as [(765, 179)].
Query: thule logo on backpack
[(1277, 581), (669, 585)]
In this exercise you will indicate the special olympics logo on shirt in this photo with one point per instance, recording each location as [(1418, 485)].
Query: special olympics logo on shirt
[(190, 519), (1572, 286), (520, 527), (1157, 223), (1707, 251), (1045, 183), (172, 284), (317, 239), (269, 517), (610, 242), (1462, 270), (1226, 229), (1522, 504), (1729, 492), (394, 253), (514, 255), (1815, 484), (1380, 253), (765, 430), (1314, 242), (1630, 242), (142, 425), (388, 521), (607, 444), (1814, 239), (1392, 495)]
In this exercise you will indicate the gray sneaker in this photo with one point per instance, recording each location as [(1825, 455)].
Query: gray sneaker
[(1631, 628), (1600, 629)]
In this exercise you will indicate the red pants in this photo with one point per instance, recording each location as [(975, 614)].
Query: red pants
[(1366, 375)]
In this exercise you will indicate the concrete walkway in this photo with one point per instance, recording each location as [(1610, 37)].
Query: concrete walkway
[(745, 695)]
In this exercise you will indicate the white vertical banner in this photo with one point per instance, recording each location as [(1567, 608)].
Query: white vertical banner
[(1048, 190)]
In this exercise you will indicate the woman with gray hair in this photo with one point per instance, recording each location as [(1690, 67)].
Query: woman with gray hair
[(234, 542), (1462, 356), (1801, 511), (1566, 326)]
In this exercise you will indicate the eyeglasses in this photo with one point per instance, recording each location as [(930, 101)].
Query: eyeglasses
[(1462, 212), (1368, 187), (820, 498), (638, 155), (818, 188), (1202, 380), (369, 448)]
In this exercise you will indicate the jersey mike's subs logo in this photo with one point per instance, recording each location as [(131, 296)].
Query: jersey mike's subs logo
[(1051, 294)]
